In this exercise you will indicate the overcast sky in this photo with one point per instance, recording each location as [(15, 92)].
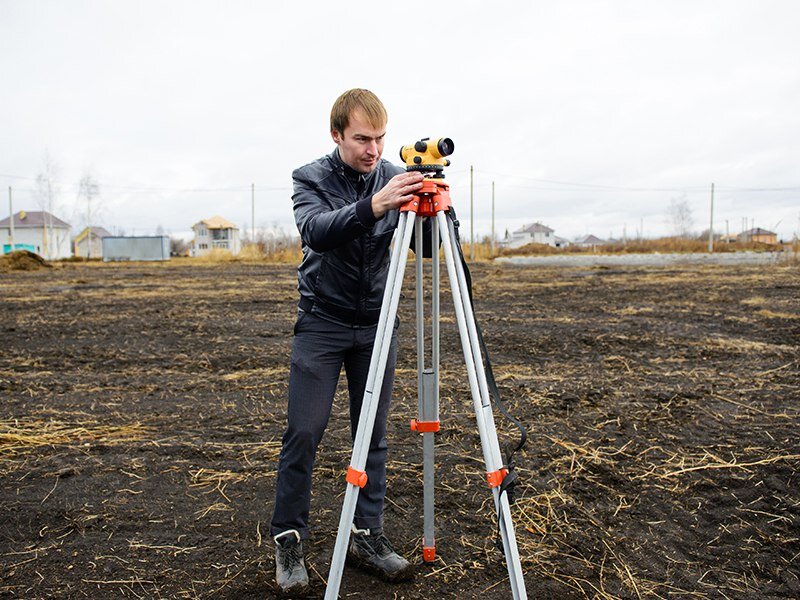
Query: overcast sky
[(589, 116)]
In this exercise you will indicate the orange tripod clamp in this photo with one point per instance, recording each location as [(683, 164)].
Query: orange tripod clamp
[(356, 477), (424, 426), (432, 198), (495, 478)]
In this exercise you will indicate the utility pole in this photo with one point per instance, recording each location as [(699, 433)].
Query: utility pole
[(11, 212), (711, 224), (253, 213), (492, 244), (471, 217)]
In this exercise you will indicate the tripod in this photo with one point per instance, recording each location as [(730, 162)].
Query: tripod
[(431, 202)]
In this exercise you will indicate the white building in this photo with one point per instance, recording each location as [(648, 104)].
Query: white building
[(37, 231), (89, 242), (215, 233), (142, 247), (530, 234)]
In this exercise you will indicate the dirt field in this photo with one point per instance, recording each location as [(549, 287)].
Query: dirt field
[(142, 409)]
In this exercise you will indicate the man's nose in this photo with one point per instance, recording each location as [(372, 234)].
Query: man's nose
[(372, 148)]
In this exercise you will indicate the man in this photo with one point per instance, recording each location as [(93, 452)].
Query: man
[(345, 206)]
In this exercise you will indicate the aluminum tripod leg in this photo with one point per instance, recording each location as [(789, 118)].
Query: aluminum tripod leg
[(428, 385), (481, 400), (369, 406)]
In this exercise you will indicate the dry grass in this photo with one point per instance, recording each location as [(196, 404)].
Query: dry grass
[(19, 437), (252, 254), (662, 245)]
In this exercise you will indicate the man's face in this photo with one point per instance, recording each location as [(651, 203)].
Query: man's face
[(361, 145)]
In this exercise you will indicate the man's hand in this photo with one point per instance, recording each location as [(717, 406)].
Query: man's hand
[(400, 189)]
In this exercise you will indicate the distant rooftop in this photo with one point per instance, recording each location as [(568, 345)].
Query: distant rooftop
[(218, 222), (535, 228), (590, 239), (35, 218), (754, 232), (97, 232)]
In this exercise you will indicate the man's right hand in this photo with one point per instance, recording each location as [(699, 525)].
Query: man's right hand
[(400, 189)]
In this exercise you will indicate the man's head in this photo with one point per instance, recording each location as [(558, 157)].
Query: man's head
[(358, 126)]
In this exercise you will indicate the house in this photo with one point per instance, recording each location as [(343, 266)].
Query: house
[(38, 231), (89, 242), (530, 234), (758, 235), (215, 233), (589, 241)]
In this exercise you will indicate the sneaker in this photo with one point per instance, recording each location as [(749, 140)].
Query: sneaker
[(374, 553), (290, 567)]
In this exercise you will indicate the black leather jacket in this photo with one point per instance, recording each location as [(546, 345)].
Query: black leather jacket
[(345, 263)]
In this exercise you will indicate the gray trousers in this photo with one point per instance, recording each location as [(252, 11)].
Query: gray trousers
[(319, 349)]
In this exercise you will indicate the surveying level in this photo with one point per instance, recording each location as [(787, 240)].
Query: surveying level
[(431, 202), (428, 156)]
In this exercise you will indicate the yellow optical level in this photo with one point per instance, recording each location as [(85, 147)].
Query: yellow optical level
[(427, 154)]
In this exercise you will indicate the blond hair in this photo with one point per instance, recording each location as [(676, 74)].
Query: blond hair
[(357, 99)]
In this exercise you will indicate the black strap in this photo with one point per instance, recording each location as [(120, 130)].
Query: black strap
[(509, 481)]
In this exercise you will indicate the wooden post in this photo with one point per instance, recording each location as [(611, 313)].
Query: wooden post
[(252, 213), (711, 224), (471, 217), (492, 242), (11, 212)]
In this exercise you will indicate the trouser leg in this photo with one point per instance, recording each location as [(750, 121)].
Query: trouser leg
[(317, 355), (369, 508)]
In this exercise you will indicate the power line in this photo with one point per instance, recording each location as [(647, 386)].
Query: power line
[(636, 189), (155, 189)]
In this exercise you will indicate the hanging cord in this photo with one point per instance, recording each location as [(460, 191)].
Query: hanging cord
[(510, 480)]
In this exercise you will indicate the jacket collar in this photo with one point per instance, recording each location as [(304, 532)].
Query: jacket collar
[(349, 172)]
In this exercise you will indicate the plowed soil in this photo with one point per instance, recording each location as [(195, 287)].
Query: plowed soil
[(143, 406)]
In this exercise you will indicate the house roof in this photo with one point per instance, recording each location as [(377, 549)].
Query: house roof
[(589, 239), (35, 218), (535, 228), (218, 222), (758, 231), (97, 232)]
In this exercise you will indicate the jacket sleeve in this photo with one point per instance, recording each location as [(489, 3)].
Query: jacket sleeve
[(323, 227)]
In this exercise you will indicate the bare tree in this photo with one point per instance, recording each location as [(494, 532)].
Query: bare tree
[(88, 192), (680, 216), (47, 195), (178, 246)]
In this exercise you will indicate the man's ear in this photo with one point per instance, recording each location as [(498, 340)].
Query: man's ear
[(337, 137)]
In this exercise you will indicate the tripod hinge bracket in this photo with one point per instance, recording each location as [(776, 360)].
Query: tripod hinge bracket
[(356, 477), (424, 426), (495, 478)]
